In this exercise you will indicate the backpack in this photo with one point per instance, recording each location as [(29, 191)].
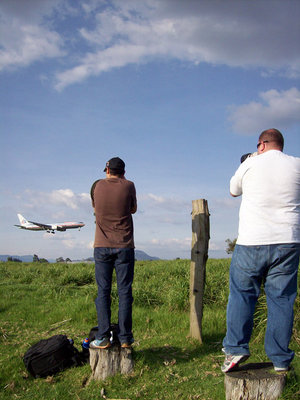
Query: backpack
[(49, 356)]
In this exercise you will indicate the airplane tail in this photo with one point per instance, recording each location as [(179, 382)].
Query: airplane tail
[(23, 221)]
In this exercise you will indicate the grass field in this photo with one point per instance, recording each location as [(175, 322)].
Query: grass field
[(41, 300)]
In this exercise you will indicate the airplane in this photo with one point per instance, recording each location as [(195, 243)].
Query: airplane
[(50, 228)]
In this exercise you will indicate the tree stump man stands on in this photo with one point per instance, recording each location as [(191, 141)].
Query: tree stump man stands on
[(114, 202), (267, 250)]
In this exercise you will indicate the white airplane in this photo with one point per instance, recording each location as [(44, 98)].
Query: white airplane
[(50, 228)]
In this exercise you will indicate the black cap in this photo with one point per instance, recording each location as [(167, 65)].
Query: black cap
[(115, 163)]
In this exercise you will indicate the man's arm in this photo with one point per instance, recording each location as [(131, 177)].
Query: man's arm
[(236, 182), (92, 192), (236, 186), (134, 201)]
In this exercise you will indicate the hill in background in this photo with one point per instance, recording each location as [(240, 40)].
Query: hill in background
[(28, 258), (139, 256)]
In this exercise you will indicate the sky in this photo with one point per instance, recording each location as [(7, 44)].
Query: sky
[(178, 89)]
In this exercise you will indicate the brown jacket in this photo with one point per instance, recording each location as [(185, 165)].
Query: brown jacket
[(114, 200)]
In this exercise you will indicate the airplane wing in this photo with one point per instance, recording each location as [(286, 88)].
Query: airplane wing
[(43, 226)]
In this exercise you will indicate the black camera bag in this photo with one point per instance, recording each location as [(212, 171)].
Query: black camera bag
[(49, 356)]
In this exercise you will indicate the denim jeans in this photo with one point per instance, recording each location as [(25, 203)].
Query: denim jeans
[(276, 266), (106, 259)]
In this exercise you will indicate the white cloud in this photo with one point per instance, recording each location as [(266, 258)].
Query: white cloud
[(29, 10), (64, 242), (69, 198), (239, 34), (276, 109), (60, 201), (226, 203), (155, 198), (152, 202), (160, 247), (73, 243), (174, 247), (215, 246), (33, 44), (183, 243), (24, 39), (118, 33)]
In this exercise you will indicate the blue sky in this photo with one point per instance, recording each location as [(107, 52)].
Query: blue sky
[(178, 89)]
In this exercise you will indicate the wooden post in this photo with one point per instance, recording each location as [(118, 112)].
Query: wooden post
[(108, 362), (254, 381), (199, 255)]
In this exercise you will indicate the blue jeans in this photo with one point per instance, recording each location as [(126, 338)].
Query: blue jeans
[(106, 259), (276, 266)]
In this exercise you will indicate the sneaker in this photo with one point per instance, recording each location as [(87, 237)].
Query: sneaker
[(231, 361), (281, 369), (100, 344)]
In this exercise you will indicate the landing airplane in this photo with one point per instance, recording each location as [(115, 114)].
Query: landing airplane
[(50, 228)]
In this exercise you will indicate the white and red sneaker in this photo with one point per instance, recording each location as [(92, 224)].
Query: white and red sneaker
[(231, 361)]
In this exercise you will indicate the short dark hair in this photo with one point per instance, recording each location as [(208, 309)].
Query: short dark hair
[(116, 172), (272, 135)]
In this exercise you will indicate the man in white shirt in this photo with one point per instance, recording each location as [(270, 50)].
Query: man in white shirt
[(267, 250)]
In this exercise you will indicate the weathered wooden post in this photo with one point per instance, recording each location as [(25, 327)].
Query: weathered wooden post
[(199, 255)]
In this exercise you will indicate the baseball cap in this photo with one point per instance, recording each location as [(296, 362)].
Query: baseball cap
[(115, 163)]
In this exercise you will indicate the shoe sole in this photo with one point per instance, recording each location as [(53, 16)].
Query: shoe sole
[(125, 346), (233, 364), (100, 347)]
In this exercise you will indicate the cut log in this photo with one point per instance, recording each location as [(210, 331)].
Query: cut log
[(108, 362), (254, 381)]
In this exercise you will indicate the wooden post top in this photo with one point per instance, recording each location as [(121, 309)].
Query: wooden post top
[(200, 206)]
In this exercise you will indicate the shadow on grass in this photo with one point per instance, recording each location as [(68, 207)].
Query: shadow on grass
[(168, 354)]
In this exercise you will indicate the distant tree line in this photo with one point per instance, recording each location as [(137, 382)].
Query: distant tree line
[(43, 260), (229, 250), (39, 260), (230, 245), (13, 259), (61, 260), (36, 259)]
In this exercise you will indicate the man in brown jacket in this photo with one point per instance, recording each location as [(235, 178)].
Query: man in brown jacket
[(114, 202)]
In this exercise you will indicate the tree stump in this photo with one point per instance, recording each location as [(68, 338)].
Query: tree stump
[(108, 362), (254, 381)]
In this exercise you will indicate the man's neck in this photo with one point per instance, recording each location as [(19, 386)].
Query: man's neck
[(109, 176)]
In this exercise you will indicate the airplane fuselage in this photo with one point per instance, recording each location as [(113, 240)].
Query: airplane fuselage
[(37, 226)]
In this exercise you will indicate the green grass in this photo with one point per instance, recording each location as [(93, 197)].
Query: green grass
[(40, 300)]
